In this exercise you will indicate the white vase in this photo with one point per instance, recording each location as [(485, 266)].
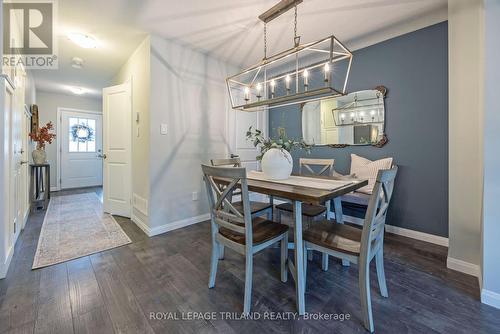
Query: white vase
[(277, 164), (39, 156)]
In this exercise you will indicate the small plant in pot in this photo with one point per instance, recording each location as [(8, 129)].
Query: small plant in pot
[(276, 161), (42, 136)]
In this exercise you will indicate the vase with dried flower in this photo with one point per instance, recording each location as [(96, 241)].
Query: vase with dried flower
[(42, 136)]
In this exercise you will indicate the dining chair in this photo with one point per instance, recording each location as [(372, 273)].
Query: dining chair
[(256, 208), (310, 211), (359, 245), (239, 230)]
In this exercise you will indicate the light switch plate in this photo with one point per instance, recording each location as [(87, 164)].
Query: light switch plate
[(163, 129)]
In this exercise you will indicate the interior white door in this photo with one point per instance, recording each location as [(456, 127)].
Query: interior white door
[(238, 124), (117, 148), (14, 145), (80, 150)]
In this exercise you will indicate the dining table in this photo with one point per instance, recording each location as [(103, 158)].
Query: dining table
[(304, 189)]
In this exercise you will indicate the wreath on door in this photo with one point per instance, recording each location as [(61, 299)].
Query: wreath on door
[(82, 133)]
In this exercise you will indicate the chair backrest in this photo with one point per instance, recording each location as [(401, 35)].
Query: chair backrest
[(373, 227), (222, 211), (234, 162), (325, 165)]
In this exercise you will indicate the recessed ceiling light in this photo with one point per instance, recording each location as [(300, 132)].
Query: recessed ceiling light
[(77, 90), (83, 40), (77, 62)]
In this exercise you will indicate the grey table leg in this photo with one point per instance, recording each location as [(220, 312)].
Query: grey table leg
[(46, 192), (337, 202), (299, 257), (324, 256)]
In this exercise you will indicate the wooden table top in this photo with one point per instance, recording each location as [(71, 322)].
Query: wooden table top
[(299, 193)]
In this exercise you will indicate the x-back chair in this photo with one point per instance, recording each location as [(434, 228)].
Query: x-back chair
[(256, 208), (359, 245), (314, 167), (237, 229)]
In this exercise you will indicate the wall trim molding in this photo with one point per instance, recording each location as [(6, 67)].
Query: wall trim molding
[(169, 226), (491, 298), (463, 267), (427, 237), (5, 266)]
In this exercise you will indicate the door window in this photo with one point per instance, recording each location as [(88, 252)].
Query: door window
[(81, 134)]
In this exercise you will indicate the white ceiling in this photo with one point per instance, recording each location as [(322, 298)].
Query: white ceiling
[(228, 29)]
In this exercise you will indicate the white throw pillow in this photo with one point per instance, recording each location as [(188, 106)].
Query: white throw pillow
[(367, 169)]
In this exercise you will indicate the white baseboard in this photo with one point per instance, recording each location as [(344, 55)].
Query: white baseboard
[(54, 188), (170, 226), (463, 267), (4, 267), (490, 298), (433, 239), (140, 223)]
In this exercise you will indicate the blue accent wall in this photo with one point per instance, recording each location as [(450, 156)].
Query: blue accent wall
[(414, 68)]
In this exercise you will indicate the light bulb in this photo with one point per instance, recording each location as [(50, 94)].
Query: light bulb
[(372, 112), (273, 86), (247, 93), (259, 88), (287, 83), (327, 73), (306, 78)]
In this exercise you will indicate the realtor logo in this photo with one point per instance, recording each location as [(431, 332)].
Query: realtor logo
[(29, 34)]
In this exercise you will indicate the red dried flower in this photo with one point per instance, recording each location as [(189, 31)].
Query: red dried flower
[(43, 135)]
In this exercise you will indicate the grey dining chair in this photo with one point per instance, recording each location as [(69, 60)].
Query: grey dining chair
[(256, 208), (309, 211), (238, 230), (359, 245)]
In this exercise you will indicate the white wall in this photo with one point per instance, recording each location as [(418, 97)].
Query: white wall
[(137, 71), (47, 109), (188, 93), (491, 212), (465, 133)]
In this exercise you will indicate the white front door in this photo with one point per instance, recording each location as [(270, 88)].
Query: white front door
[(80, 150), (117, 123)]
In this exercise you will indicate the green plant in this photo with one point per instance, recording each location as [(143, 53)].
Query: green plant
[(282, 143)]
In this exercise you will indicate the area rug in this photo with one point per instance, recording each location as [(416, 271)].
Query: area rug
[(76, 226)]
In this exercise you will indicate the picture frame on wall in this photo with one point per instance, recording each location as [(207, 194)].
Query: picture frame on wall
[(34, 118)]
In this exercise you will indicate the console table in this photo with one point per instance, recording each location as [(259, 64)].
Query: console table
[(39, 186)]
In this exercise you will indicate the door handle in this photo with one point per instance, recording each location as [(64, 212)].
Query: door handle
[(104, 156), (24, 162), (234, 155)]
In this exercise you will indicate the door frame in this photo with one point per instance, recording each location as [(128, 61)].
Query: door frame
[(59, 142)]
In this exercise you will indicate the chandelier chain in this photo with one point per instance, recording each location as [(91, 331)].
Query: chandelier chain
[(265, 40), (295, 24)]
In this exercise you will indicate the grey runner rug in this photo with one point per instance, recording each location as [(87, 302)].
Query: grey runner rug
[(75, 226)]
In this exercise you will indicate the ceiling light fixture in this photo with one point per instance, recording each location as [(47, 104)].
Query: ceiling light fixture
[(306, 72), (77, 90), (83, 40), (77, 62)]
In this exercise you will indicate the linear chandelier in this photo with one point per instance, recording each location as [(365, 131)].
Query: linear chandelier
[(306, 72)]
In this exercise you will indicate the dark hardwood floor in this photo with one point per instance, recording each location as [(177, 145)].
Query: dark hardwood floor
[(118, 290)]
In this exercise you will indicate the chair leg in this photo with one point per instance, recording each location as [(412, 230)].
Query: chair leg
[(213, 263), (221, 252), (379, 261), (279, 215), (324, 261), (305, 267), (247, 304), (309, 252), (284, 258), (364, 289), (270, 214)]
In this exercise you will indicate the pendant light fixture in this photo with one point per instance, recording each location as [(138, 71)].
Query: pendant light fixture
[(306, 72)]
